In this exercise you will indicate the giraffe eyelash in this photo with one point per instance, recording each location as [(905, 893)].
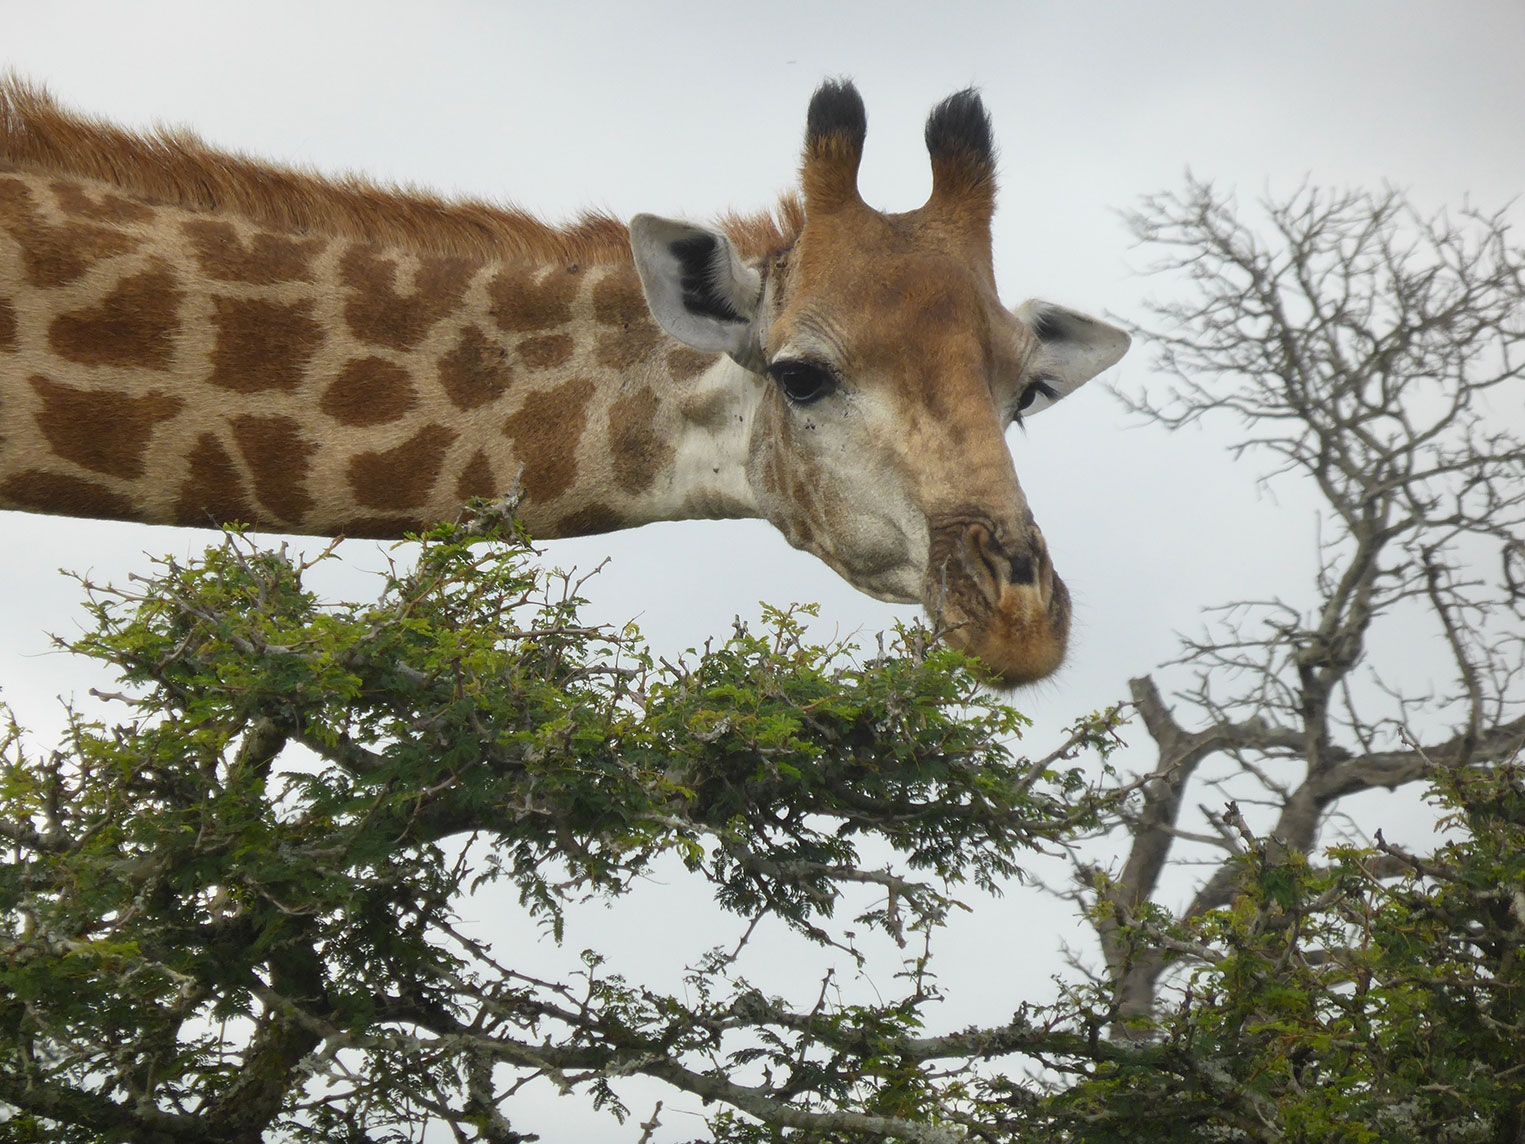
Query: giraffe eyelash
[(1038, 386)]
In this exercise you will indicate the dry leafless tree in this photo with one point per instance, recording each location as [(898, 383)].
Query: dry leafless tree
[(1377, 352)]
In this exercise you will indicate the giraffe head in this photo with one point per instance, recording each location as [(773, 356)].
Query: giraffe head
[(886, 371)]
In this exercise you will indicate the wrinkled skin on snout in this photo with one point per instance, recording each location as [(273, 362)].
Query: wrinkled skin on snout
[(885, 372)]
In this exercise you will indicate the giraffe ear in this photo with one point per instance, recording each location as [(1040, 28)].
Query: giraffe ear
[(1072, 348), (698, 288)]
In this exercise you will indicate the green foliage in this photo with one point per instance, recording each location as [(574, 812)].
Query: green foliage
[(1377, 997), (212, 934)]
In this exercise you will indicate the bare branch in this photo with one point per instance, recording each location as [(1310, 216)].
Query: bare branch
[(1361, 347)]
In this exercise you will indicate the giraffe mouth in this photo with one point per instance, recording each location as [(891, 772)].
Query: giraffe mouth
[(1001, 602)]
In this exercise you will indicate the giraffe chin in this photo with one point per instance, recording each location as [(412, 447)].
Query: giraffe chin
[(1020, 640)]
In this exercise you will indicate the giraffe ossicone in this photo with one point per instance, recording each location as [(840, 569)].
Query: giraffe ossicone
[(189, 337)]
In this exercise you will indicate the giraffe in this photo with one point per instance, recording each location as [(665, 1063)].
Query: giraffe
[(195, 338)]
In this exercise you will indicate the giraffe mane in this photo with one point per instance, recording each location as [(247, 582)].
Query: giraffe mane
[(173, 166)]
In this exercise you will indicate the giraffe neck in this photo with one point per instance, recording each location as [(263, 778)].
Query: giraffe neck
[(175, 365)]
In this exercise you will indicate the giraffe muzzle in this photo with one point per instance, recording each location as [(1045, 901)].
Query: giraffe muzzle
[(999, 601)]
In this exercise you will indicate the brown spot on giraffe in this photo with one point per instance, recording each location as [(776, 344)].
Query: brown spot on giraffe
[(683, 362), (636, 451), (520, 305), (370, 391), (213, 490), (545, 432), (110, 207), (7, 325), (378, 314), (589, 520), (708, 410), (618, 301), (107, 432), (74, 496), (262, 345), (404, 476), (629, 347), (619, 304), (547, 351), (278, 458), (55, 255), (262, 261), (134, 325), (476, 479), (476, 372)]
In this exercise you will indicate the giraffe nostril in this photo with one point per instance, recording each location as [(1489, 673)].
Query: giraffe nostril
[(1022, 568)]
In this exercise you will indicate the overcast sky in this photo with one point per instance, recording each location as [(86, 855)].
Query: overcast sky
[(683, 108)]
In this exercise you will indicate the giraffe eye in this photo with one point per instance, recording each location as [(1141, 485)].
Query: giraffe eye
[(802, 381), (1038, 388)]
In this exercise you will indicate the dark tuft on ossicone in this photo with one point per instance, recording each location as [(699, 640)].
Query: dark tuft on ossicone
[(959, 129), (836, 109)]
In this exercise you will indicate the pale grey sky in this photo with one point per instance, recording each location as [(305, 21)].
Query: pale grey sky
[(684, 108)]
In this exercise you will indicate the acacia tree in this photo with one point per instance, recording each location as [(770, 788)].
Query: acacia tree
[(210, 936)]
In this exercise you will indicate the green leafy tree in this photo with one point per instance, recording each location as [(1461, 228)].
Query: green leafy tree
[(210, 935)]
